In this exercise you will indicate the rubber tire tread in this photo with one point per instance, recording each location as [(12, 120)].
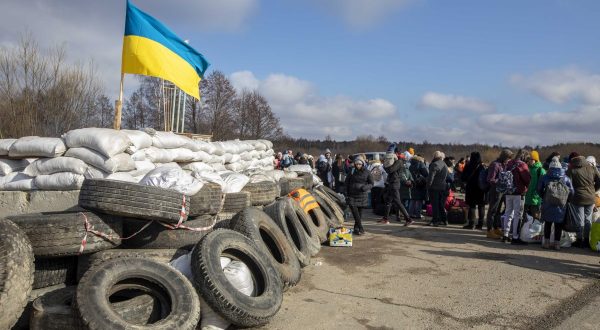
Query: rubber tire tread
[(235, 202), (59, 234), (249, 222), (288, 185), (279, 211), (53, 271), (308, 229), (234, 306), (132, 200), (94, 308), (308, 179), (320, 222), (207, 200), (332, 195), (16, 272), (157, 236), (261, 193), (338, 213)]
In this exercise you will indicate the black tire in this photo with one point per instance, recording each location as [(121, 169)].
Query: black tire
[(284, 216), (235, 202), (133, 200), (320, 222), (337, 214), (259, 227), (157, 236), (23, 322), (85, 262), (59, 234), (160, 280), (207, 200), (307, 179), (220, 294), (16, 272), (288, 185), (262, 193), (332, 195), (328, 213), (55, 310), (308, 229), (53, 271)]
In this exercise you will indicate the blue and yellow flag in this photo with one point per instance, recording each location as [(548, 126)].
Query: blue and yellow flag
[(151, 49)]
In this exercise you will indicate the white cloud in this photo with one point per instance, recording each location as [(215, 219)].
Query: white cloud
[(447, 102), (361, 13), (562, 85), (304, 112)]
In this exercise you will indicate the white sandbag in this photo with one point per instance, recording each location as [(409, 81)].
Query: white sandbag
[(139, 139), (5, 146), (183, 155), (18, 181), (108, 142), (47, 166), (210, 176), (9, 177), (215, 159), (261, 178), (300, 168), (234, 182), (59, 181), (34, 146), (122, 176), (197, 167), (240, 277), (12, 165), (158, 155), (532, 231), (219, 149), (200, 156), (94, 173), (236, 167), (169, 140), (218, 167), (276, 175), (235, 158), (139, 155), (173, 178), (316, 180), (169, 164), (118, 163), (290, 175), (267, 143)]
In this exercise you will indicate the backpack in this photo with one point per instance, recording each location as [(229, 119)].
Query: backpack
[(557, 193), (482, 181), (376, 173), (506, 183)]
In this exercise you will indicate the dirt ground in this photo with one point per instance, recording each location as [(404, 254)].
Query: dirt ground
[(420, 277)]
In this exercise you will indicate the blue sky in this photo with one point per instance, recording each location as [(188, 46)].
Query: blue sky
[(510, 72)]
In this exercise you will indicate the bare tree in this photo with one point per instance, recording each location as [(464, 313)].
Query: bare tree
[(219, 97), (254, 118), (142, 106)]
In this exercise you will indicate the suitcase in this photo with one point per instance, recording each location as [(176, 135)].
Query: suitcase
[(457, 215)]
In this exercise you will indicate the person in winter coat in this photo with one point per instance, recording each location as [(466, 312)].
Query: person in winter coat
[(379, 178), (329, 159), (418, 192), (586, 180), (339, 170), (515, 199), (474, 196), (358, 185), (495, 197), (287, 160), (548, 160), (406, 183), (533, 201), (394, 167), (437, 186), (323, 169), (552, 212)]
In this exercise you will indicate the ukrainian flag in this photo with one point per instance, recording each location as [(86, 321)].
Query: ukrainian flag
[(151, 49)]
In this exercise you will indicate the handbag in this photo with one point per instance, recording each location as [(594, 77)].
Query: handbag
[(571, 224)]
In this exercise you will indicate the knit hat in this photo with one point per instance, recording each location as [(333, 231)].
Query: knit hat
[(411, 151), (555, 163), (327, 151), (591, 160), (535, 155), (360, 160)]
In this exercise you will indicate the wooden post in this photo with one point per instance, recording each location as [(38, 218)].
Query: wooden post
[(119, 106)]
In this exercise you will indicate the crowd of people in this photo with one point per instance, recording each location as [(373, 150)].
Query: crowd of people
[(513, 187)]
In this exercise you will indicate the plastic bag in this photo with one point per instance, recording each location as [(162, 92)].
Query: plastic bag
[(12, 165), (172, 178), (210, 176), (595, 236), (47, 166), (59, 181), (34, 146), (197, 167), (108, 142), (120, 162), (300, 168), (234, 182), (5, 146), (532, 231), (566, 238)]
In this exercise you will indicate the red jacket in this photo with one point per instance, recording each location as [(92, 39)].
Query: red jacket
[(521, 176)]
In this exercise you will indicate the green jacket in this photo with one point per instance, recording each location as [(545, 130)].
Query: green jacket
[(532, 197)]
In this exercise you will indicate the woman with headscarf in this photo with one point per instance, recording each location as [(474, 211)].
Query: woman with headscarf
[(323, 169), (358, 184), (474, 195)]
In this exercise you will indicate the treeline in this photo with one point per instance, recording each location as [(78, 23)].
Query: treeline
[(369, 143)]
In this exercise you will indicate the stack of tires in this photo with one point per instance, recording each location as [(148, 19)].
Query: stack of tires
[(108, 267)]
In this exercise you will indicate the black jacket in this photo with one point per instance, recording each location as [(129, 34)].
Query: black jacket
[(358, 184), (394, 174)]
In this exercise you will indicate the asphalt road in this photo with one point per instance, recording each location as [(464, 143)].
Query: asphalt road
[(419, 277)]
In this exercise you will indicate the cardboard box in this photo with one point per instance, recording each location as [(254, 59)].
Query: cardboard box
[(340, 237)]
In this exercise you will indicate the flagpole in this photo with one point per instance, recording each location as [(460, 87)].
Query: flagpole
[(119, 105)]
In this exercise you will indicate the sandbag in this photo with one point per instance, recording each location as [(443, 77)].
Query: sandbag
[(234, 182), (12, 165), (59, 181), (236, 167), (17, 181), (122, 176), (94, 173), (108, 142), (121, 162), (174, 179), (47, 166), (34, 146), (139, 155), (210, 176), (168, 140), (139, 139), (5, 146), (300, 168), (276, 175), (197, 167)]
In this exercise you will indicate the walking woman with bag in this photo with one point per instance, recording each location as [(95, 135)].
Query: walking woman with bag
[(358, 185)]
